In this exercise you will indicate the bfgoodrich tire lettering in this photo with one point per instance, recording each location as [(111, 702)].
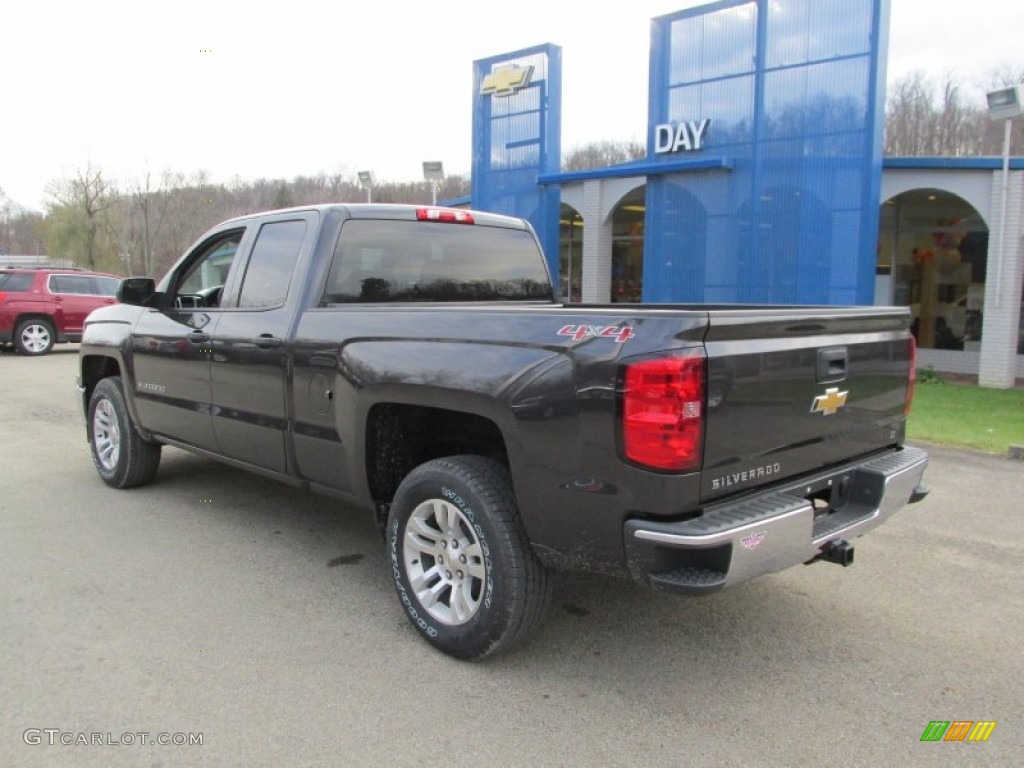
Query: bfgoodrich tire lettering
[(122, 458), (463, 569)]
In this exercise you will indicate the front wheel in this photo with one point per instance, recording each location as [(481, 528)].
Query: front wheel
[(462, 566), (122, 457)]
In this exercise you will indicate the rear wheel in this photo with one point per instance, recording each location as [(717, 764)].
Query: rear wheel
[(34, 337), (122, 457), (462, 566)]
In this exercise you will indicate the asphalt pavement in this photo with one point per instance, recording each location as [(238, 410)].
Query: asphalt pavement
[(221, 607)]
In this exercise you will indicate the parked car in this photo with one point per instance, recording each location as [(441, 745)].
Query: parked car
[(42, 306)]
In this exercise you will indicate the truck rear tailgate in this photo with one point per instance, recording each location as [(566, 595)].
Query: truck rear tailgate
[(793, 390)]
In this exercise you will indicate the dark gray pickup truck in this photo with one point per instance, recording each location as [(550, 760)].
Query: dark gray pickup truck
[(412, 362)]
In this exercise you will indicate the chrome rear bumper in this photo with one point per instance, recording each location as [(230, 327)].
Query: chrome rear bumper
[(774, 530)]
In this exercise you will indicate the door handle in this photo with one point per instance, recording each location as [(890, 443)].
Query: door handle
[(268, 341), (832, 364), (198, 337)]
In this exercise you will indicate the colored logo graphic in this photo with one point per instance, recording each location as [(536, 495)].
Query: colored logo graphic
[(830, 402), (753, 541), (958, 730), (506, 81)]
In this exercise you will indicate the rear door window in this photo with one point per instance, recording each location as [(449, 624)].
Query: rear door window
[(269, 271), (106, 286)]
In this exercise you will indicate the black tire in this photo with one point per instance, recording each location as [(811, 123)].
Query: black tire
[(496, 569), (34, 336), (122, 457)]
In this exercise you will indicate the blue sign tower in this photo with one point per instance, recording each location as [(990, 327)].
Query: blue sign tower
[(789, 95), (517, 105)]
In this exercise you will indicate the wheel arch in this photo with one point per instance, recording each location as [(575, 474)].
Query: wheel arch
[(410, 434), (93, 368), (35, 315)]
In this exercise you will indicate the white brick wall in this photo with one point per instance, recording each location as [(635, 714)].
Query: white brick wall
[(597, 247), (999, 364)]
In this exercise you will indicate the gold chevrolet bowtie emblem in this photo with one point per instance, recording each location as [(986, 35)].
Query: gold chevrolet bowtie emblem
[(830, 402), (506, 81)]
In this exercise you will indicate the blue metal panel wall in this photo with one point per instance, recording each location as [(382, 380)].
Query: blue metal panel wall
[(517, 136), (795, 93)]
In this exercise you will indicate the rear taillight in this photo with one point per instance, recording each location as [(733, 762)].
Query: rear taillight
[(911, 377), (663, 410), (453, 215)]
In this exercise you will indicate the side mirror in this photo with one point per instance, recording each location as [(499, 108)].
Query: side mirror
[(136, 290)]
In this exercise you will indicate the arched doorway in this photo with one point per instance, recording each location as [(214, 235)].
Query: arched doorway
[(570, 255), (628, 247), (932, 257)]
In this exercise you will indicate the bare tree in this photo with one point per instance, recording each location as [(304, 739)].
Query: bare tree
[(6, 214), (602, 153), (84, 199), (954, 119), (909, 124), (95, 195), (195, 206), (283, 197), (151, 202), (923, 118)]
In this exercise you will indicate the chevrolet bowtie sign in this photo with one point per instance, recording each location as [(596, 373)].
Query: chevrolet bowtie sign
[(506, 81), (830, 402)]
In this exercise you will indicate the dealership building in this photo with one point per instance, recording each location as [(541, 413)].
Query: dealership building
[(764, 182)]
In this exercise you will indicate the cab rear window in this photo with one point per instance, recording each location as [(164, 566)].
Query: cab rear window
[(410, 261)]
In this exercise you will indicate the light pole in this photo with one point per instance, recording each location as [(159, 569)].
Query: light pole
[(998, 364), (367, 181), (433, 171), (1004, 104)]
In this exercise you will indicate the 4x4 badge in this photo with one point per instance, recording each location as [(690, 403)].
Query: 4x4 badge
[(830, 402)]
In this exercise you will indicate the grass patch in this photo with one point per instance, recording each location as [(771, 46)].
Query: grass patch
[(961, 414)]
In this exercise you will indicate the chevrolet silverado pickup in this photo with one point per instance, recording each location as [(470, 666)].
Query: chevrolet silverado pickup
[(412, 362)]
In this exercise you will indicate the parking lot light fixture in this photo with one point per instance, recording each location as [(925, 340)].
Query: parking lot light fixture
[(1006, 105), (433, 172), (367, 181)]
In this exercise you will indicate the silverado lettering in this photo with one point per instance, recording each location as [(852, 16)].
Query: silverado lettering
[(747, 475), (401, 360)]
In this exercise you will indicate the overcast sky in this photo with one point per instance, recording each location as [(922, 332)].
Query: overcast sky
[(309, 87)]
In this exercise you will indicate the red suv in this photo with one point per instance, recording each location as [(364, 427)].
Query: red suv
[(42, 306)]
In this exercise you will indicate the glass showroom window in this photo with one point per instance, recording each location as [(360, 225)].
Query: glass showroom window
[(570, 255), (628, 247), (932, 257)]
